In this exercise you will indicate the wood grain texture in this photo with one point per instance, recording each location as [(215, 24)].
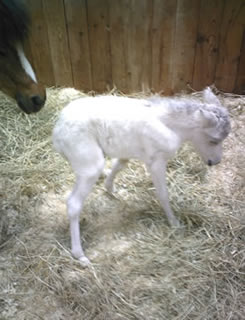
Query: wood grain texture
[(187, 16), (207, 46), (119, 15), (99, 42), (232, 28), (38, 44), (163, 40), (240, 80), (137, 45), (58, 40), (140, 44), (76, 19)]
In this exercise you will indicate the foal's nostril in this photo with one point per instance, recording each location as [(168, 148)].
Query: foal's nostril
[(37, 101), (210, 162)]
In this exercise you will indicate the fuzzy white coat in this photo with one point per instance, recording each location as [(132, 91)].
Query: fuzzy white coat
[(150, 130)]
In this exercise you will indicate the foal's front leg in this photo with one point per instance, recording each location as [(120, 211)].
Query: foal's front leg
[(75, 204), (74, 208), (157, 168)]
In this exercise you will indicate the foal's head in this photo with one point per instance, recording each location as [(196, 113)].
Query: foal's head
[(17, 78), (214, 128)]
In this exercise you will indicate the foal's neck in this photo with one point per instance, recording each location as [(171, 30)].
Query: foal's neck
[(178, 115)]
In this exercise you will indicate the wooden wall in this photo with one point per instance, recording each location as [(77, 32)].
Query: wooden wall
[(134, 45)]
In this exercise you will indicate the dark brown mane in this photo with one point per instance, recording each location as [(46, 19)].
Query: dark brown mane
[(14, 21)]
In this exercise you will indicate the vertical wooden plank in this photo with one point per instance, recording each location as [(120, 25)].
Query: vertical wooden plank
[(119, 14), (38, 44), (58, 40), (139, 44), (232, 29), (163, 35), (240, 80), (99, 33), (207, 43), (76, 16), (187, 16)]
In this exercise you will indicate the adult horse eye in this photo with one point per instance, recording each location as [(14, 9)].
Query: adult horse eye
[(2, 52)]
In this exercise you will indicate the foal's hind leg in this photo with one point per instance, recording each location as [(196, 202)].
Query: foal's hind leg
[(86, 176), (117, 166)]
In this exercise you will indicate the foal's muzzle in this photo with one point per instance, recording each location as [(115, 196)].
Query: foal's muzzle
[(30, 104), (212, 163)]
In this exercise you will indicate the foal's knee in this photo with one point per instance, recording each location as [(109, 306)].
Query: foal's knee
[(74, 207)]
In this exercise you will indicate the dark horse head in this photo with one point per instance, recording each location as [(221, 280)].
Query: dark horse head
[(17, 78)]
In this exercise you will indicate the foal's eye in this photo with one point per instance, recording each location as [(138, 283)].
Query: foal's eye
[(214, 143)]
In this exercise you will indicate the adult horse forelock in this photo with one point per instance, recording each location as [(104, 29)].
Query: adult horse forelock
[(17, 78)]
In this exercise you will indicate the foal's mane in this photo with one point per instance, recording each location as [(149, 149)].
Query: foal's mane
[(187, 105), (14, 22), (178, 107)]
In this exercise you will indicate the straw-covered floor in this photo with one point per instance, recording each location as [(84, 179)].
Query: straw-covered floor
[(142, 269)]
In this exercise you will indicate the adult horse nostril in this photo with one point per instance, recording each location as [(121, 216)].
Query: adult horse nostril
[(37, 101), (209, 163)]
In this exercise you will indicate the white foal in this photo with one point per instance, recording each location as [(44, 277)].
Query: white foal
[(151, 130)]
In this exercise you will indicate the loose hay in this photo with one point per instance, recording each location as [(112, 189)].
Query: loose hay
[(142, 268)]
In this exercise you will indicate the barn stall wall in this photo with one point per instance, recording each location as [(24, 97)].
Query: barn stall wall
[(134, 45)]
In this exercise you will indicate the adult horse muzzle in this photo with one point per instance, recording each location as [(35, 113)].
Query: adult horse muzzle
[(30, 104)]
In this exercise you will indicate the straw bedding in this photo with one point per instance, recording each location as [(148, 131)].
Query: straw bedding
[(142, 269)]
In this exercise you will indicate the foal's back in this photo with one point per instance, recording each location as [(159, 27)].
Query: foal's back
[(122, 127), (106, 108)]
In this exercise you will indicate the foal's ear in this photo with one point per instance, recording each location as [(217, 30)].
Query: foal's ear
[(210, 97), (208, 119)]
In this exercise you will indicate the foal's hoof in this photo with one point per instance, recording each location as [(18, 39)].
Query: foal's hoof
[(175, 223), (106, 172), (84, 261), (108, 183), (109, 187)]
